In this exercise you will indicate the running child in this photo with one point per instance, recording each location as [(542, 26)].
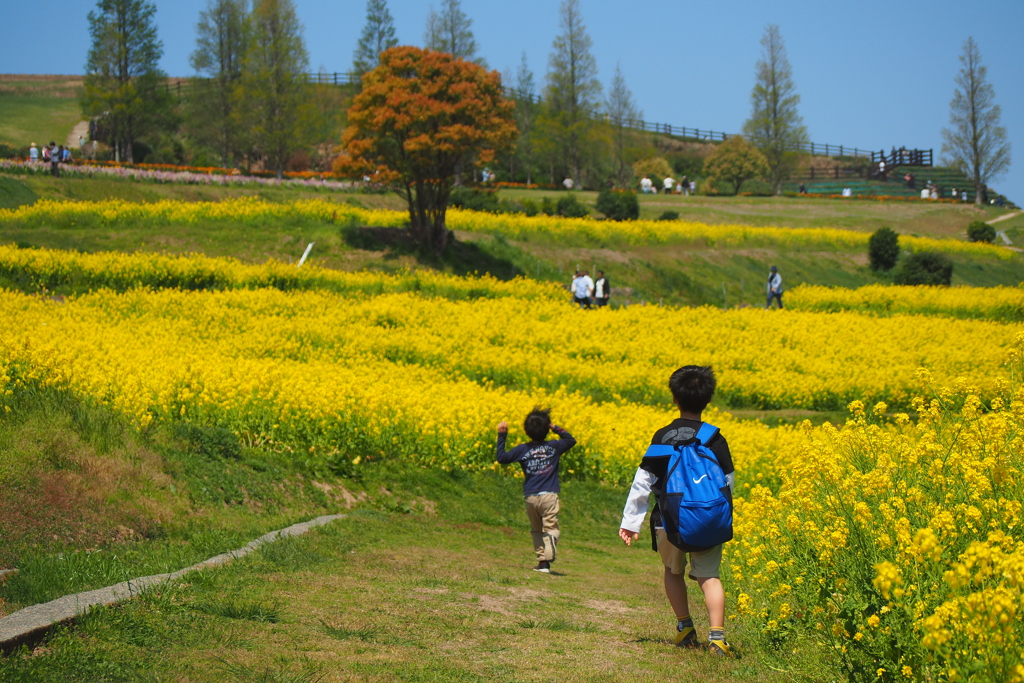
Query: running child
[(539, 459)]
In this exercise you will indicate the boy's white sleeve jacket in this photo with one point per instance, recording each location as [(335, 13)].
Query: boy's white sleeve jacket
[(638, 501)]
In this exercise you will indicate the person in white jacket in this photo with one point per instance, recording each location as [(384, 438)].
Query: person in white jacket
[(774, 287), (692, 387)]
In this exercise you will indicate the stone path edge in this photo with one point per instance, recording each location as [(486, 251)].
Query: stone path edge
[(31, 623)]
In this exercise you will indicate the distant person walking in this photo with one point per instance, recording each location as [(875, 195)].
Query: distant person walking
[(582, 289), (33, 153), (774, 287), (684, 186), (54, 159), (602, 290), (669, 182), (646, 186)]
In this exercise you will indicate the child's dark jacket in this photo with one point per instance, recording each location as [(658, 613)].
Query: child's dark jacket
[(539, 460)]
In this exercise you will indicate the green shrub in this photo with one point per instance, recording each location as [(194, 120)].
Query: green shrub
[(618, 205), (463, 197), (571, 207), (8, 151), (925, 268), (883, 249), (980, 231), (669, 216)]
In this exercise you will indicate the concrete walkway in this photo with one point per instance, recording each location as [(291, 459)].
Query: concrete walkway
[(32, 623)]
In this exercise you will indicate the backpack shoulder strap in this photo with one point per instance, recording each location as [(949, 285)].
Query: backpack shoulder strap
[(659, 450), (706, 433)]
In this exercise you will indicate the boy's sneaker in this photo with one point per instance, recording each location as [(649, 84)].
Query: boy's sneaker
[(687, 637), (720, 648), (543, 566)]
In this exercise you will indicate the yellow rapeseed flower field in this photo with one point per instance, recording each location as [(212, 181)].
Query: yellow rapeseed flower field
[(517, 226), (992, 303), (46, 269), (894, 538)]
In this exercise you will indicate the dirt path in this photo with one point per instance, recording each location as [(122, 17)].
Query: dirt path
[(81, 130), (1005, 218)]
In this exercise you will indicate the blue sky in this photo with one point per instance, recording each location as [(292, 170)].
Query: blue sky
[(871, 74)]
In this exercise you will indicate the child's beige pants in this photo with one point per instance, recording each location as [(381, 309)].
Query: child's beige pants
[(543, 513)]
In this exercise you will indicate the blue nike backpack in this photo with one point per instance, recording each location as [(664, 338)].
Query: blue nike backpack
[(695, 499)]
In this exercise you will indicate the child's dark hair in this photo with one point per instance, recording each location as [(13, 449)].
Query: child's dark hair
[(537, 424), (692, 387)]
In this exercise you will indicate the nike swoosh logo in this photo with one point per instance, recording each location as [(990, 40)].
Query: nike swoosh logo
[(697, 481)]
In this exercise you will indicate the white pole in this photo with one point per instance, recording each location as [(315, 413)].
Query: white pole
[(302, 260)]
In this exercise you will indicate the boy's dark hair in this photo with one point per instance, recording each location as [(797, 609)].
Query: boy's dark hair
[(537, 424), (692, 387)]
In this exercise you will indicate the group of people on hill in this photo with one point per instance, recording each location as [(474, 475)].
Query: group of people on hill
[(585, 290), (53, 154), (689, 469), (669, 186)]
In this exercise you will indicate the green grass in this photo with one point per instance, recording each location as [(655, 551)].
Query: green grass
[(37, 118), (667, 274), (441, 594), (89, 502), (921, 218), (14, 193)]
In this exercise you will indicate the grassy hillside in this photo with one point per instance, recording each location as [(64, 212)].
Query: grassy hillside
[(671, 274), (38, 108), (428, 578)]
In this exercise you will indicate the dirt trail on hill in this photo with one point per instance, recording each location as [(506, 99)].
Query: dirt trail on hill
[(81, 130), (1004, 218)]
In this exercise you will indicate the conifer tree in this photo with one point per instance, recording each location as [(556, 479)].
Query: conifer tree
[(775, 126), (378, 35), (573, 91), (221, 42), (271, 97), (123, 82), (976, 142)]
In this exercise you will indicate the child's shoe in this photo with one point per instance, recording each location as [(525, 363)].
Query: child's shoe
[(543, 566), (719, 648), (687, 637)]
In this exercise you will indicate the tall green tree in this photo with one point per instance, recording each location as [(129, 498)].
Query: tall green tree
[(123, 81), (451, 31), (621, 110), (378, 35), (775, 126), (573, 92), (221, 44), (271, 98), (975, 142)]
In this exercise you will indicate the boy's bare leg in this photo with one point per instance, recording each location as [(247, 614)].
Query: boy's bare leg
[(714, 598), (675, 589)]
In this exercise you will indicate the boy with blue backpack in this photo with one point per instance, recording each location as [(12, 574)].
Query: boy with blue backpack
[(689, 469)]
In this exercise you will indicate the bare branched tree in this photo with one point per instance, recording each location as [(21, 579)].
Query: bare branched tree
[(450, 30), (621, 110), (975, 143)]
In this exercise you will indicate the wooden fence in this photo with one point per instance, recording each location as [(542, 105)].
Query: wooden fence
[(182, 86)]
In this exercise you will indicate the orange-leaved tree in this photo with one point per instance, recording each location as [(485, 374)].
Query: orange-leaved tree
[(420, 117)]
